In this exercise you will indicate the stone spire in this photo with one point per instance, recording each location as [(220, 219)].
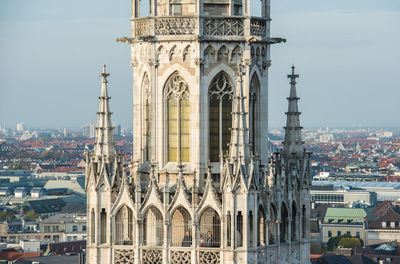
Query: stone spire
[(104, 145), (239, 146), (293, 144)]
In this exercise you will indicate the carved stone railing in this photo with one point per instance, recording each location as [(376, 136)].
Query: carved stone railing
[(258, 27), (142, 27), (209, 256), (223, 26), (175, 26), (180, 256), (124, 256), (151, 256)]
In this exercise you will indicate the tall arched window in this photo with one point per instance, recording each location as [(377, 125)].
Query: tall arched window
[(210, 229), (178, 108), (181, 228), (284, 224), (220, 117), (147, 117), (254, 112), (153, 229), (124, 226)]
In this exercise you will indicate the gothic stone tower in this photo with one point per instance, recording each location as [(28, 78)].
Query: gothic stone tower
[(202, 186)]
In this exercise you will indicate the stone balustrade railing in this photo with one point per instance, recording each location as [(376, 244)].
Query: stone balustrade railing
[(210, 26)]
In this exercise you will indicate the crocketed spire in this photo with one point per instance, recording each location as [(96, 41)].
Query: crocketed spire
[(293, 144), (104, 145)]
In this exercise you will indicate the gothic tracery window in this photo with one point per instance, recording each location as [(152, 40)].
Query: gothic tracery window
[(178, 108), (220, 117), (254, 113)]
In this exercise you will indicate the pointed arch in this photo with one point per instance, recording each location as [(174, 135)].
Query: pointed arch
[(181, 225), (160, 52), (223, 53), (186, 53), (172, 52), (210, 228), (254, 118), (283, 228), (124, 230), (220, 117), (210, 54), (178, 118), (153, 230), (261, 227), (146, 125), (236, 55)]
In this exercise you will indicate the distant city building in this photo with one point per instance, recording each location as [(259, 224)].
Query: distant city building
[(383, 224), (20, 127), (118, 130), (340, 221), (343, 195), (89, 130)]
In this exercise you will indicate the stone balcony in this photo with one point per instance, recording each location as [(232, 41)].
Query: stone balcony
[(204, 27)]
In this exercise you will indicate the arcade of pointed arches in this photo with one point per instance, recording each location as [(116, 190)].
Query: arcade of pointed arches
[(209, 230)]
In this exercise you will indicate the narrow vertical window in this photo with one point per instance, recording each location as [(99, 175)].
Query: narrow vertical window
[(220, 117), (228, 229), (103, 226), (304, 222), (239, 229), (294, 222), (93, 226), (178, 108), (254, 115), (251, 228), (147, 117)]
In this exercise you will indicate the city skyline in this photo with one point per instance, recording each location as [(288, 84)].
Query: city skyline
[(52, 57)]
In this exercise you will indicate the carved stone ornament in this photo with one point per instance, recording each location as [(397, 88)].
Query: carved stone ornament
[(223, 27), (181, 257), (209, 257), (152, 256), (124, 256), (175, 26)]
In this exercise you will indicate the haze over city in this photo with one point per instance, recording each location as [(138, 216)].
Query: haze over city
[(346, 53)]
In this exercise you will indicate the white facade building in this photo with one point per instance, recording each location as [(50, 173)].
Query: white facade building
[(202, 187)]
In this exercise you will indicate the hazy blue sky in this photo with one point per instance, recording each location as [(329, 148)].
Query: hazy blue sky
[(346, 51)]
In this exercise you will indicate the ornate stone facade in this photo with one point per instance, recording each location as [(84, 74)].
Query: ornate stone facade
[(202, 186)]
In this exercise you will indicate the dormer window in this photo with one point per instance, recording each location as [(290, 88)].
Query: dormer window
[(384, 224), (392, 225)]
